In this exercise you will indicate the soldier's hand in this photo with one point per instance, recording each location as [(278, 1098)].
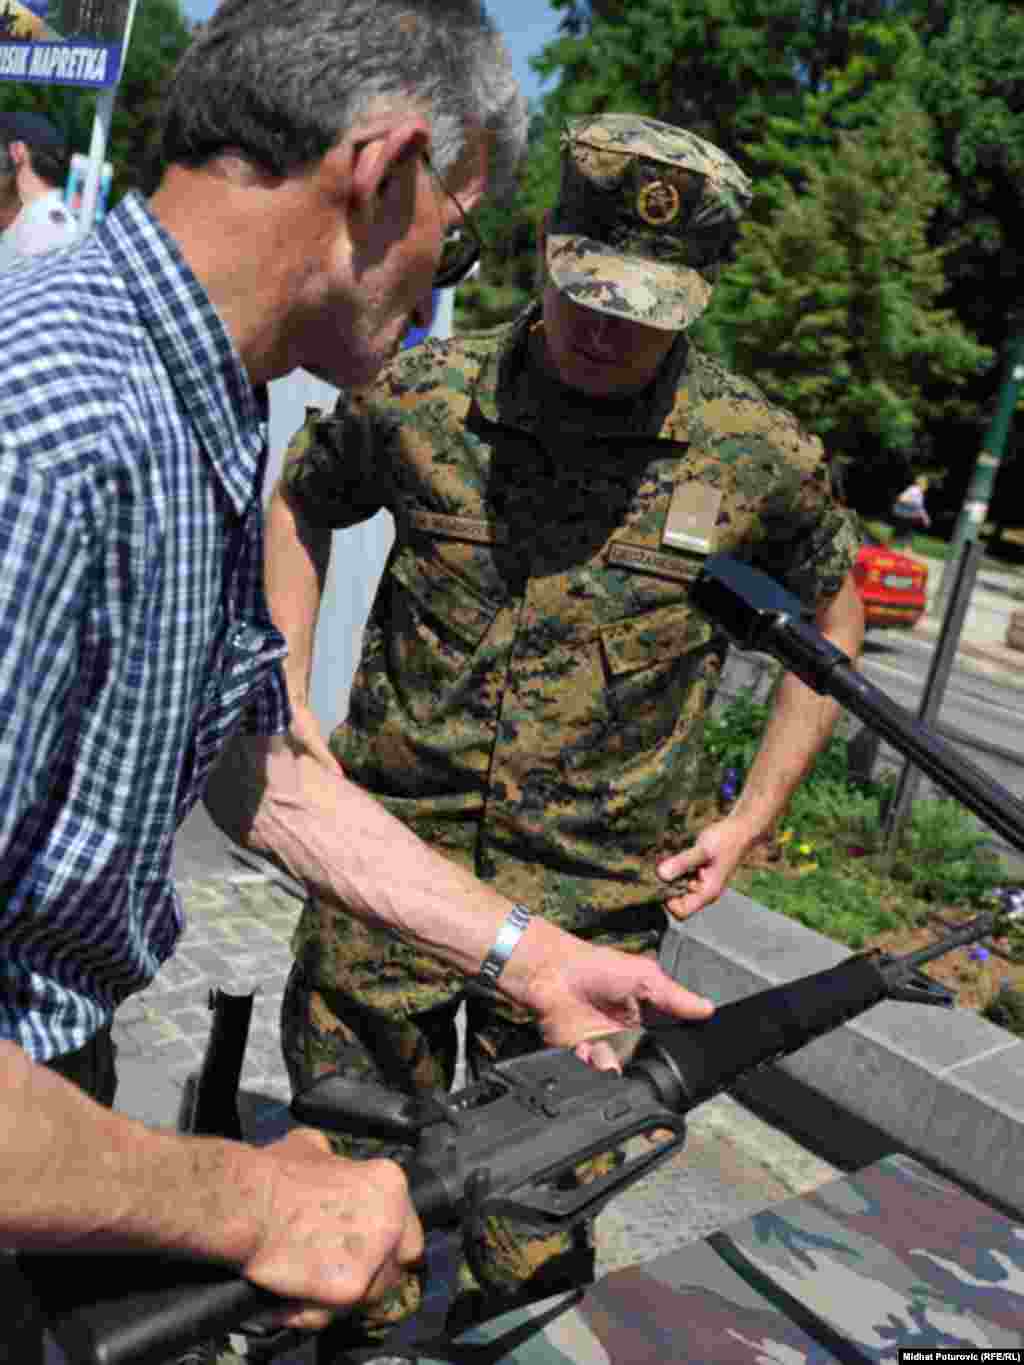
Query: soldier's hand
[(697, 876), (334, 1232)]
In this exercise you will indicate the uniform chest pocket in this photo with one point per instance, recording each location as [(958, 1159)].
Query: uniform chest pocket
[(438, 625), (656, 673), (242, 662)]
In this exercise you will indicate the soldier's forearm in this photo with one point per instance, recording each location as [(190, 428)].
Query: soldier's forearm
[(800, 724), (797, 730)]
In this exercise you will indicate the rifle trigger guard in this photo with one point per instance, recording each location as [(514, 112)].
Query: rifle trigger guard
[(553, 1207)]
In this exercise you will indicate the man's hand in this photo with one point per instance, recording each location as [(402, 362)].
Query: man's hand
[(292, 1217), (587, 991), (334, 1232), (705, 869)]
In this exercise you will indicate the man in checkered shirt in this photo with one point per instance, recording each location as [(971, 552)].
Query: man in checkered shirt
[(315, 151)]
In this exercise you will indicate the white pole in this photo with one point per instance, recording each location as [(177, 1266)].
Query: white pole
[(97, 156)]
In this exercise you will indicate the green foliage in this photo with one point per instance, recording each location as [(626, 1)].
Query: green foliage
[(480, 305), (830, 875), (1006, 1009), (732, 735), (832, 305), (828, 807), (945, 855), (838, 905), (970, 81)]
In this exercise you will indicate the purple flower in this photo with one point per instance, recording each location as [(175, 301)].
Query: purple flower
[(978, 953), (730, 785)]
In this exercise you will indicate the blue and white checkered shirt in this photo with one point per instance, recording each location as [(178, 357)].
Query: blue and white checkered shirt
[(134, 634)]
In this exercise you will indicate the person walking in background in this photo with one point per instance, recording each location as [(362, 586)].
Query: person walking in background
[(909, 512), (34, 164)]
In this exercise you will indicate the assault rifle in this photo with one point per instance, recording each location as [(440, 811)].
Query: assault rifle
[(507, 1144)]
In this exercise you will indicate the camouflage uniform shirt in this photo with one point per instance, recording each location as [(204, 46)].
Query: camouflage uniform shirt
[(533, 679)]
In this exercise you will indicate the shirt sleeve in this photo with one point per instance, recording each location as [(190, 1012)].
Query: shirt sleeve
[(335, 468), (812, 545), (45, 563), (801, 534)]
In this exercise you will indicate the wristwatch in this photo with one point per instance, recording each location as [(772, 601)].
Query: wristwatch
[(508, 936)]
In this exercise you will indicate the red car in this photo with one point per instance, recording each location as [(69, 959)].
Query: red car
[(892, 586)]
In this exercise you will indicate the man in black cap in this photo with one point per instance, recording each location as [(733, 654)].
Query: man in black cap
[(33, 171)]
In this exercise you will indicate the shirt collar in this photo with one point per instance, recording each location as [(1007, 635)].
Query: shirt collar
[(229, 416)]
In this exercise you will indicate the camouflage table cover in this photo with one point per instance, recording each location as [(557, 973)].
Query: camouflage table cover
[(891, 1257)]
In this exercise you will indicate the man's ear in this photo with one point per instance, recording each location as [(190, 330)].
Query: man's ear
[(361, 167)]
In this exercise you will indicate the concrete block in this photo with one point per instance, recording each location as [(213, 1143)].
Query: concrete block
[(772, 946)]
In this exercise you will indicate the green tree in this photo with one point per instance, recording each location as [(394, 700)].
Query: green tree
[(971, 82), (833, 303), (723, 68)]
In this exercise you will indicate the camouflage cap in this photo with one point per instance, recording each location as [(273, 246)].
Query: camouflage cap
[(645, 214)]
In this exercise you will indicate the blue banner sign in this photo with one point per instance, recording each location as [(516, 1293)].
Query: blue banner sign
[(33, 50)]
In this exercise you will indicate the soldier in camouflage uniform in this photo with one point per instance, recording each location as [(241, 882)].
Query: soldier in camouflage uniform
[(534, 679)]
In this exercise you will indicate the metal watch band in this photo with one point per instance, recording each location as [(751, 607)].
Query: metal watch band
[(508, 936)]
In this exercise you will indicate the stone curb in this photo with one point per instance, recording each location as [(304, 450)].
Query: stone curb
[(990, 658), (944, 1086)]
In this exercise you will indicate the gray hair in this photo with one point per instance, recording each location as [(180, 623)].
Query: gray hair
[(282, 80)]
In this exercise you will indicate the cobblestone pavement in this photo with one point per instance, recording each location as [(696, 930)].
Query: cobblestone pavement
[(236, 937)]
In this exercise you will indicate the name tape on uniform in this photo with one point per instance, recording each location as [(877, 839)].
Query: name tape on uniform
[(459, 528), (623, 555)]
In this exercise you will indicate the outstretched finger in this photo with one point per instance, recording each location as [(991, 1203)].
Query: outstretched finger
[(669, 997)]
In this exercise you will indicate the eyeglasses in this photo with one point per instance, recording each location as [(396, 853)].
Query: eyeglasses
[(462, 245)]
